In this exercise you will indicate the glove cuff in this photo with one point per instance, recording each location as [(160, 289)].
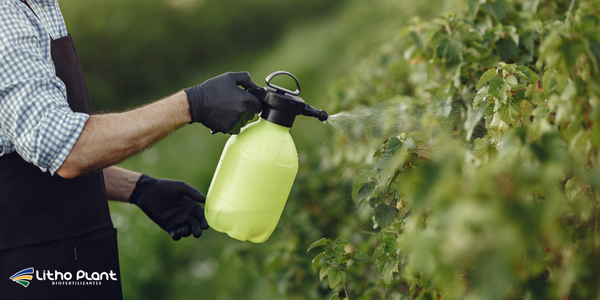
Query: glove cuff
[(193, 97), (144, 181)]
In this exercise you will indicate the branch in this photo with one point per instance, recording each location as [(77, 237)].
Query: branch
[(570, 10)]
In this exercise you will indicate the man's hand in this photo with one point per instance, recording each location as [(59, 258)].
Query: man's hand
[(221, 105), (173, 205)]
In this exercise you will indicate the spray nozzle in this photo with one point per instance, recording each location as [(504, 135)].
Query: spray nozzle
[(313, 112), (281, 106)]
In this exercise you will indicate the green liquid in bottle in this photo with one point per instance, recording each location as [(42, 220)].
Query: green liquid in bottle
[(252, 182)]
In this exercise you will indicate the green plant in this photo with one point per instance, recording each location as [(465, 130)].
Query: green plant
[(492, 192)]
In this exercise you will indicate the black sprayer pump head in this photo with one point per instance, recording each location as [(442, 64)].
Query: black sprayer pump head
[(281, 106)]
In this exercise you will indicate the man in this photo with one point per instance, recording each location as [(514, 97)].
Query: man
[(57, 160)]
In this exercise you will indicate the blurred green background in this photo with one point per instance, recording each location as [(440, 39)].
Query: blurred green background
[(135, 52)]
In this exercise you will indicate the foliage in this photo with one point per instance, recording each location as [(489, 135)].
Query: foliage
[(491, 192), (469, 146), (317, 49)]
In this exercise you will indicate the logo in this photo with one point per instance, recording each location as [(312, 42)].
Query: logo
[(22, 277), (55, 277)]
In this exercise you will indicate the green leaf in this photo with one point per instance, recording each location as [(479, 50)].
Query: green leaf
[(526, 110), (481, 146), (451, 50), (511, 82), (531, 6), (316, 263), (546, 81), (507, 49), (498, 88), (509, 112), (529, 74), (335, 253), (480, 96), (526, 43), (394, 144), (385, 215), (324, 270), (384, 161), (473, 117), (359, 257), (319, 243), (337, 297), (595, 49), (486, 77), (498, 9), (365, 192), (336, 277), (387, 264), (474, 7), (341, 241), (424, 280)]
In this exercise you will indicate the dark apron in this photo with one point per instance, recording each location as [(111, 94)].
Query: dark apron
[(54, 224)]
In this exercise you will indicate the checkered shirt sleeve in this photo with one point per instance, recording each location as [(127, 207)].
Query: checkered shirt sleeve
[(35, 118)]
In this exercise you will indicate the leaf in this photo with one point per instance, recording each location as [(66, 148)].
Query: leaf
[(531, 76), (507, 49), (474, 7), (319, 243), (481, 146), (383, 161), (595, 49), (498, 88), (385, 215), (316, 263), (335, 253), (451, 50), (531, 6), (387, 264), (359, 257), (341, 242), (501, 9), (526, 43), (337, 297), (424, 280), (546, 81), (473, 117), (365, 192), (509, 112), (394, 144), (526, 110), (323, 272), (486, 77), (336, 276), (498, 10), (511, 82), (480, 96)]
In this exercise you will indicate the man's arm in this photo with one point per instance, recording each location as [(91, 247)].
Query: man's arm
[(110, 138), (120, 183), (217, 103)]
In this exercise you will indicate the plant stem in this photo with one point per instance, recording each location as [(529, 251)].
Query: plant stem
[(346, 291), (570, 10)]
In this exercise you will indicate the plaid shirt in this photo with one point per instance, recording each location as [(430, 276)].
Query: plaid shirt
[(35, 118)]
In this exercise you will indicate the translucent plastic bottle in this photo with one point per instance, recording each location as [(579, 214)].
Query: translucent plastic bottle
[(252, 182), (257, 168)]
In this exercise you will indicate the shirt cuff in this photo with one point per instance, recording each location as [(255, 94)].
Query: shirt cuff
[(76, 123)]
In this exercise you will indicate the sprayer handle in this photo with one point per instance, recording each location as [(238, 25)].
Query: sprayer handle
[(278, 88)]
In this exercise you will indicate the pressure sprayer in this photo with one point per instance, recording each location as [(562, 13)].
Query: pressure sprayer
[(258, 166)]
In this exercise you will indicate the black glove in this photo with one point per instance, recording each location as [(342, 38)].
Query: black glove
[(221, 105), (173, 205)]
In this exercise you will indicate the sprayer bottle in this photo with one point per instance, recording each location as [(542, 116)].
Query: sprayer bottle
[(258, 166)]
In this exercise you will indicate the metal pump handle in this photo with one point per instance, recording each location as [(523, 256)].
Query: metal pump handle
[(268, 80)]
